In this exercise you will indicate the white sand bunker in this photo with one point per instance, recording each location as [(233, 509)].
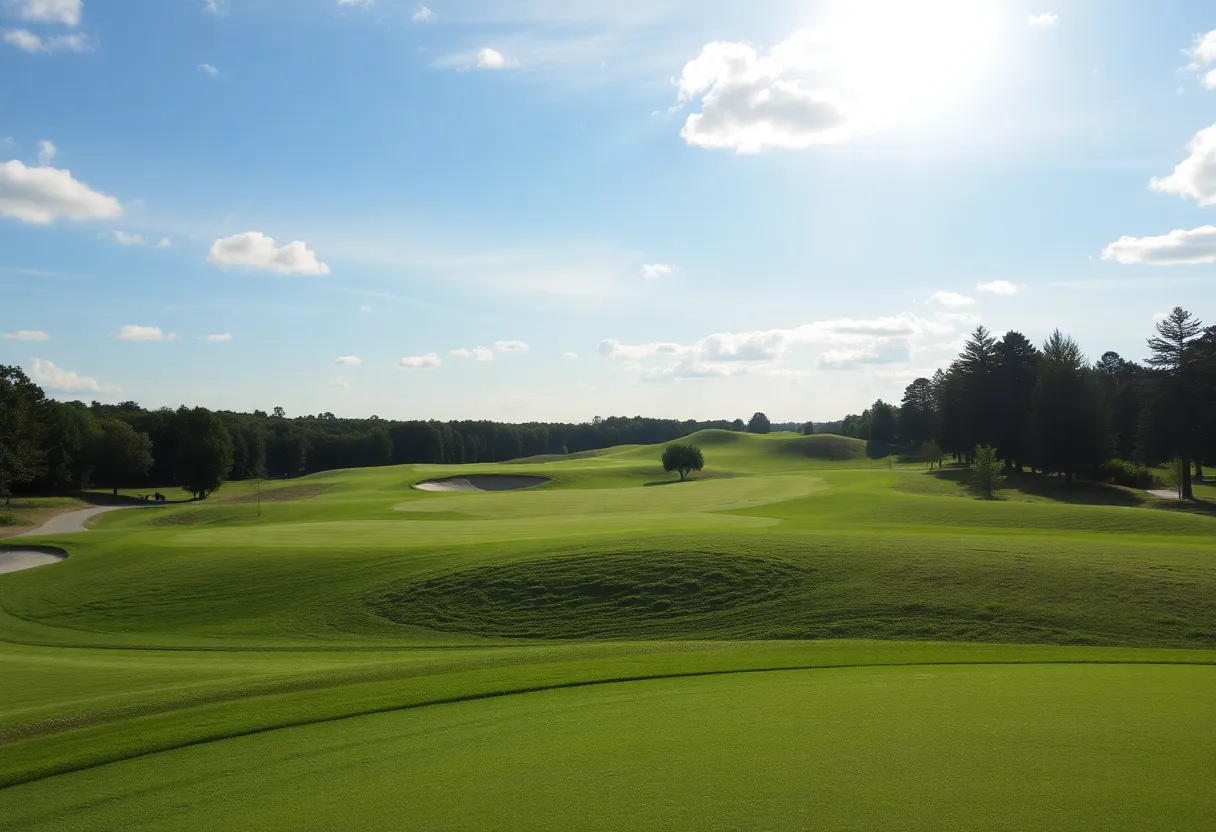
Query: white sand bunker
[(14, 560), (481, 482)]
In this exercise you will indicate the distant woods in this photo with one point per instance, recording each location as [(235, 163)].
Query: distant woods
[(1051, 409), (1047, 407)]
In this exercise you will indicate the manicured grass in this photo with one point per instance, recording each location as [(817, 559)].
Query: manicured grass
[(308, 652)]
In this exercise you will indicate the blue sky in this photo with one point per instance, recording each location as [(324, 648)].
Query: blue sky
[(533, 209)]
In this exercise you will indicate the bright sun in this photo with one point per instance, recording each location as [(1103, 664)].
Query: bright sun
[(905, 61)]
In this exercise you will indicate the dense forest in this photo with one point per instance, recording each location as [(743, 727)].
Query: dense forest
[(1046, 407)]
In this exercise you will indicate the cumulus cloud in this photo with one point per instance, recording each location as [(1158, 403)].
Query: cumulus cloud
[(423, 15), (487, 353), (1194, 176), (46, 375), (46, 152), (753, 102), (348, 360), (165, 242), (134, 332), (569, 355), (998, 287), (951, 300), (26, 335), (653, 271), (488, 58), (1177, 248), (1046, 20), (66, 12), (1209, 79), (1204, 50), (219, 8), (218, 337), (42, 195), (726, 354), (27, 41), (208, 69), (255, 250), (889, 352), (430, 361), (127, 238)]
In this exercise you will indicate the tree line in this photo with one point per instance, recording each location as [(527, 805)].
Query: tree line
[(1049, 408), (53, 447)]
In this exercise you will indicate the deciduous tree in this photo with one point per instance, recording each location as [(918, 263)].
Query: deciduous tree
[(682, 458)]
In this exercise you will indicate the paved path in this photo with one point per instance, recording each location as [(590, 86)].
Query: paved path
[(1164, 493), (72, 522)]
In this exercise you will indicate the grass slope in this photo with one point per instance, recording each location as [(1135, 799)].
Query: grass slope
[(572, 640)]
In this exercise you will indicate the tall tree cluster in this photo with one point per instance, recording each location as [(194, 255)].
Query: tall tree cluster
[(1052, 409)]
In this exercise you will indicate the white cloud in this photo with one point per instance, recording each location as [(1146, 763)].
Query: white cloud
[(1043, 21), (1204, 50), (951, 300), (475, 354), (569, 355), (725, 354), (998, 287), (43, 195), (126, 238), (216, 7), (654, 271), (26, 335), (423, 15), (46, 152), (751, 103), (134, 332), (366, 309), (218, 337), (45, 374), (67, 12), (488, 58), (165, 242), (1209, 80), (208, 69), (430, 361), (348, 360), (257, 251), (340, 382), (1194, 176), (27, 41), (510, 346), (883, 352), (361, 4), (1177, 248)]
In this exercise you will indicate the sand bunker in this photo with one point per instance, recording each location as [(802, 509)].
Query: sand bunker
[(481, 482), (13, 559)]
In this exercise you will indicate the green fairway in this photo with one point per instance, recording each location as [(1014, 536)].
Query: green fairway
[(366, 651)]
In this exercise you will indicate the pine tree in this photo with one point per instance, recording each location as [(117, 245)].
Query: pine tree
[(1176, 386), (1069, 421)]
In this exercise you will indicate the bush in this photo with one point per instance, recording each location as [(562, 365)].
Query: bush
[(1122, 472), (7, 520)]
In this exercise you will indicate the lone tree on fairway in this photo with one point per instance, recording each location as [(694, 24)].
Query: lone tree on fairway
[(759, 424), (986, 471), (931, 453), (682, 458), (121, 453), (204, 452)]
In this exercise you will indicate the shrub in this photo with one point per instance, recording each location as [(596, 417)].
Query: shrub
[(7, 520), (1122, 472)]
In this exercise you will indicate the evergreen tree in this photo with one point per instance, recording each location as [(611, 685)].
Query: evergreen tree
[(1017, 367), (1069, 422), (986, 471), (1176, 387), (918, 413)]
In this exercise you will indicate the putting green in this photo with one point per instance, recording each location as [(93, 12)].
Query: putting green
[(932, 747)]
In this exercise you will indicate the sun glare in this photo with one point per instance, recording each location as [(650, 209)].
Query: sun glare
[(898, 61)]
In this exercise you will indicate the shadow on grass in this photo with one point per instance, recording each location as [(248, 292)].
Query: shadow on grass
[(1054, 488), (103, 498), (664, 482)]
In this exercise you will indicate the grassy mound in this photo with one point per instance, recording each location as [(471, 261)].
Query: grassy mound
[(621, 595), (284, 494), (823, 446)]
